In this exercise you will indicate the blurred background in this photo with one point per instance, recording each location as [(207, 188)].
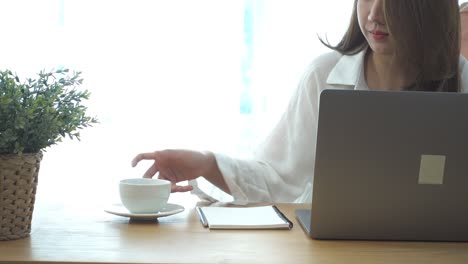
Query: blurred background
[(198, 74)]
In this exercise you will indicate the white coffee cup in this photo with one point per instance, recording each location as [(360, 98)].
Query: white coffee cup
[(144, 196)]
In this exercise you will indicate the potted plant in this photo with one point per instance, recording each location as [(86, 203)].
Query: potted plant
[(34, 114)]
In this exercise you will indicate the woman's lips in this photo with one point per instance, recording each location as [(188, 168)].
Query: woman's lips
[(378, 35)]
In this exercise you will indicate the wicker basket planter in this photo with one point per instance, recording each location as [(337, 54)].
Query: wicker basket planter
[(18, 182), (35, 113)]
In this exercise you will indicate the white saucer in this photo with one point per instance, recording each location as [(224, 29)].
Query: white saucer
[(120, 210)]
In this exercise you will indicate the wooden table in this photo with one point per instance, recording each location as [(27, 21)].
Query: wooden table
[(78, 234)]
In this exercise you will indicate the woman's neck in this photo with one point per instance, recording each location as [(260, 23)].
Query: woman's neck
[(383, 73)]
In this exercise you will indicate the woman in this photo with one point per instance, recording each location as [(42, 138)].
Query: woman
[(389, 45)]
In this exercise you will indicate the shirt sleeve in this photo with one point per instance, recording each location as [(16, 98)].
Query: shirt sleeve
[(283, 165)]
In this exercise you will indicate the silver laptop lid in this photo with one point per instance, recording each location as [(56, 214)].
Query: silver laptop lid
[(391, 166)]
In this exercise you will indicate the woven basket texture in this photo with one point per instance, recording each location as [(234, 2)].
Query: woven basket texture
[(18, 182)]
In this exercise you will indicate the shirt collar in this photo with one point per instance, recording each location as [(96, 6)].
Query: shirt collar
[(348, 70)]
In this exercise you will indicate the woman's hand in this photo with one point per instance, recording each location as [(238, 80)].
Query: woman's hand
[(179, 165)]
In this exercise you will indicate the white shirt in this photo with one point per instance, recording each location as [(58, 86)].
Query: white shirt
[(283, 167)]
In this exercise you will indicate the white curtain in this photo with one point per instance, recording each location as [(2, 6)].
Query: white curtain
[(198, 74)]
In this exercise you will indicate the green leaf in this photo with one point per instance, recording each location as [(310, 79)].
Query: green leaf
[(40, 111)]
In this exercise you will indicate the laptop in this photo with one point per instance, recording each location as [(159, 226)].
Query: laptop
[(390, 166)]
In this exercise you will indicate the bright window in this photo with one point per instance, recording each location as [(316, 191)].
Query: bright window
[(198, 74)]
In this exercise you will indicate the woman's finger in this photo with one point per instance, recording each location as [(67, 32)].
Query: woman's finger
[(142, 156), (180, 188), (151, 170)]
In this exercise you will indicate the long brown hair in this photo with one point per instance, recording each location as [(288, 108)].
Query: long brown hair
[(426, 36)]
